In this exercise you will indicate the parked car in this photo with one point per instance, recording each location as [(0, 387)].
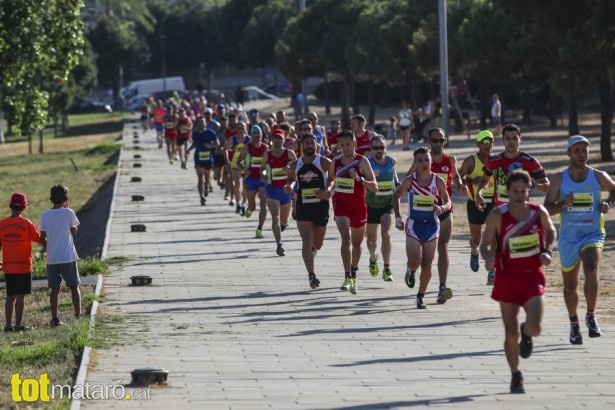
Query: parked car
[(86, 106)]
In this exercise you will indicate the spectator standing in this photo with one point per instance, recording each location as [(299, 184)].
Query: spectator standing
[(16, 236), (58, 227)]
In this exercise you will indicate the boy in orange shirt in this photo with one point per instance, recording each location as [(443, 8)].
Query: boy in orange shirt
[(16, 236)]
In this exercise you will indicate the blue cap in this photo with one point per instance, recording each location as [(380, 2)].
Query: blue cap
[(220, 106), (575, 139), (256, 128)]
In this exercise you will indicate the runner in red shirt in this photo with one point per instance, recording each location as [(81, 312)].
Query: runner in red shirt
[(332, 138), (517, 241), (255, 150), (159, 115), (349, 175), (362, 135), (184, 129), (500, 165), (170, 133), (275, 164)]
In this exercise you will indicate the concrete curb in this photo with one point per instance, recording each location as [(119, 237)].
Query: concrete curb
[(85, 357)]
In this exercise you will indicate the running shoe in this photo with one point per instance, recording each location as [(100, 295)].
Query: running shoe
[(353, 286), (346, 284), (8, 328), (20, 327), (373, 267), (203, 201), (410, 280), (444, 294), (576, 338), (491, 278), (420, 302), (238, 209), (55, 322), (231, 203), (211, 187), (474, 264), (283, 227), (525, 345), (242, 210), (206, 192), (171, 161), (184, 165), (259, 234), (248, 213), (280, 251), (516, 384), (226, 199), (592, 326), (314, 282), (387, 276)]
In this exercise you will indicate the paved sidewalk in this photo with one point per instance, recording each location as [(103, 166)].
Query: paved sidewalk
[(238, 326)]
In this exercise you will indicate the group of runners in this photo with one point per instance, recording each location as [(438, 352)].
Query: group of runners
[(300, 169)]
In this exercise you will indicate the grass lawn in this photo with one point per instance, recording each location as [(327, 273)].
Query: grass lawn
[(83, 163), (44, 349)]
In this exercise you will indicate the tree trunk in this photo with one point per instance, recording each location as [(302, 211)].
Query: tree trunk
[(2, 140), (485, 103), (30, 144), (345, 102), (327, 97), (606, 116), (372, 104), (552, 108), (353, 97), (573, 116), (527, 104), (40, 141)]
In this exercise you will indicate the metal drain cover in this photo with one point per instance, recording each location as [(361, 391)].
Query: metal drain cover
[(137, 228), (140, 280), (149, 375)]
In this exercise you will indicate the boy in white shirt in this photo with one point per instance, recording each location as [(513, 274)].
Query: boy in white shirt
[(58, 226)]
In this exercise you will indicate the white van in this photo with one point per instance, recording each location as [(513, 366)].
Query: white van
[(152, 86)]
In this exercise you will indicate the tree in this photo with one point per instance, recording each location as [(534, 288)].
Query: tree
[(575, 42), (118, 39), (40, 42), (306, 48)]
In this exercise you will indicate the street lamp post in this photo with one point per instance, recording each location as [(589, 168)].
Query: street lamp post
[(303, 82), (443, 65), (164, 66)]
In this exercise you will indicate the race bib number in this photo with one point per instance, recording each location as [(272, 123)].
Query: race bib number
[(278, 174), (344, 185), (309, 195), (444, 177), (385, 188), (170, 124), (423, 202), (183, 129), (489, 191), (204, 155), (256, 162), (583, 202), (502, 196), (524, 246)]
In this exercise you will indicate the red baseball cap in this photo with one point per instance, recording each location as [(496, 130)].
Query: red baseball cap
[(278, 132), (19, 199)]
